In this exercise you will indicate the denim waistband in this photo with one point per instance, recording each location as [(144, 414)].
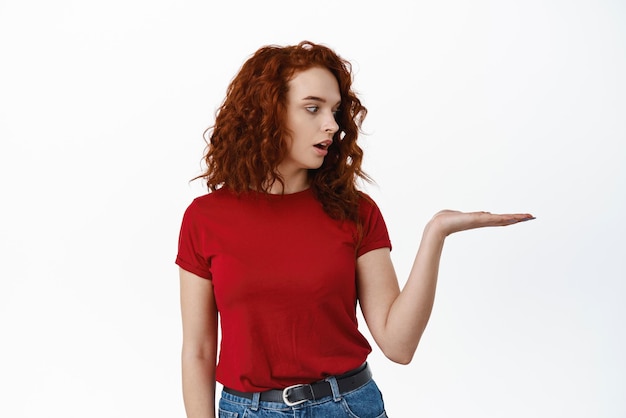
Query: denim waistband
[(333, 387)]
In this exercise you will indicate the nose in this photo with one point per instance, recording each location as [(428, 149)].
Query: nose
[(330, 124)]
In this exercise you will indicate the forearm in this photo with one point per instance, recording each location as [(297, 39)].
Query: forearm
[(397, 318), (198, 386), (410, 312)]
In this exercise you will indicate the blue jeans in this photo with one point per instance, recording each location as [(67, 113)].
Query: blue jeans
[(363, 402)]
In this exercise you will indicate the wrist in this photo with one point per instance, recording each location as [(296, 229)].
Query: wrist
[(435, 230)]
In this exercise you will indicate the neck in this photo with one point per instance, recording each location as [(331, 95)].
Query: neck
[(294, 183)]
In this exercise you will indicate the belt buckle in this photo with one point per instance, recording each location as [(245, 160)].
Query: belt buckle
[(290, 388)]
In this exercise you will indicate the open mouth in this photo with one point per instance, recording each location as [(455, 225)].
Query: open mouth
[(323, 145)]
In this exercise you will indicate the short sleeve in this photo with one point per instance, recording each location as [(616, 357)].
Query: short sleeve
[(192, 252), (375, 234)]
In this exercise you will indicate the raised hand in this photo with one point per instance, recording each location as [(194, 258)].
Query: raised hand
[(447, 222)]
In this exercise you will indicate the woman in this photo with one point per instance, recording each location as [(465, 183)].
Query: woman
[(284, 245)]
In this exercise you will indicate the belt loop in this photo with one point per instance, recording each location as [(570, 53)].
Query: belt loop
[(334, 387), (256, 399)]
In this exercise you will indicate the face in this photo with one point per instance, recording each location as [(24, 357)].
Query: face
[(312, 102)]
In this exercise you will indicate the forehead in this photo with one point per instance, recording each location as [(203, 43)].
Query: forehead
[(316, 81)]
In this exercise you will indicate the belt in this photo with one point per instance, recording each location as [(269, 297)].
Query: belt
[(297, 394)]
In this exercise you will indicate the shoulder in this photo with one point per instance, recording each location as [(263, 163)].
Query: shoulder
[(214, 197), (367, 205), (207, 203), (365, 198), (375, 233)]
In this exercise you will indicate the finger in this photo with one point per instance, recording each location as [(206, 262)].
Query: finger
[(517, 218), (489, 219)]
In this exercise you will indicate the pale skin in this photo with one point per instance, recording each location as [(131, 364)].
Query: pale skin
[(396, 318)]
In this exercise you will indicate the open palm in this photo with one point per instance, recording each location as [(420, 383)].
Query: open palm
[(451, 221)]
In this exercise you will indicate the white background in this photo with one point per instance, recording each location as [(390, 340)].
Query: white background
[(484, 105)]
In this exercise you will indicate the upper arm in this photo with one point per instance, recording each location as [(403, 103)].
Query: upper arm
[(377, 287), (199, 315)]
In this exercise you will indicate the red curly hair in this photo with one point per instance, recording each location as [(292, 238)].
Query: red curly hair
[(248, 140)]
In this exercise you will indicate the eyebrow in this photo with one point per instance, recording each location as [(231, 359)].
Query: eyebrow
[(318, 99)]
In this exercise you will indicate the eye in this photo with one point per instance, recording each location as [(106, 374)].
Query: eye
[(336, 112), (312, 109)]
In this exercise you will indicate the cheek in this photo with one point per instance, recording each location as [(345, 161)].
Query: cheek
[(299, 132)]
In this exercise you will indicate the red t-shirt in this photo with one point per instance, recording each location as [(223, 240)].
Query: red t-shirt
[(284, 275)]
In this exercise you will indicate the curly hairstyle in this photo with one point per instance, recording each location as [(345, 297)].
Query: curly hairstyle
[(248, 140)]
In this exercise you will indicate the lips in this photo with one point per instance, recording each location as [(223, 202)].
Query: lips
[(323, 145)]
